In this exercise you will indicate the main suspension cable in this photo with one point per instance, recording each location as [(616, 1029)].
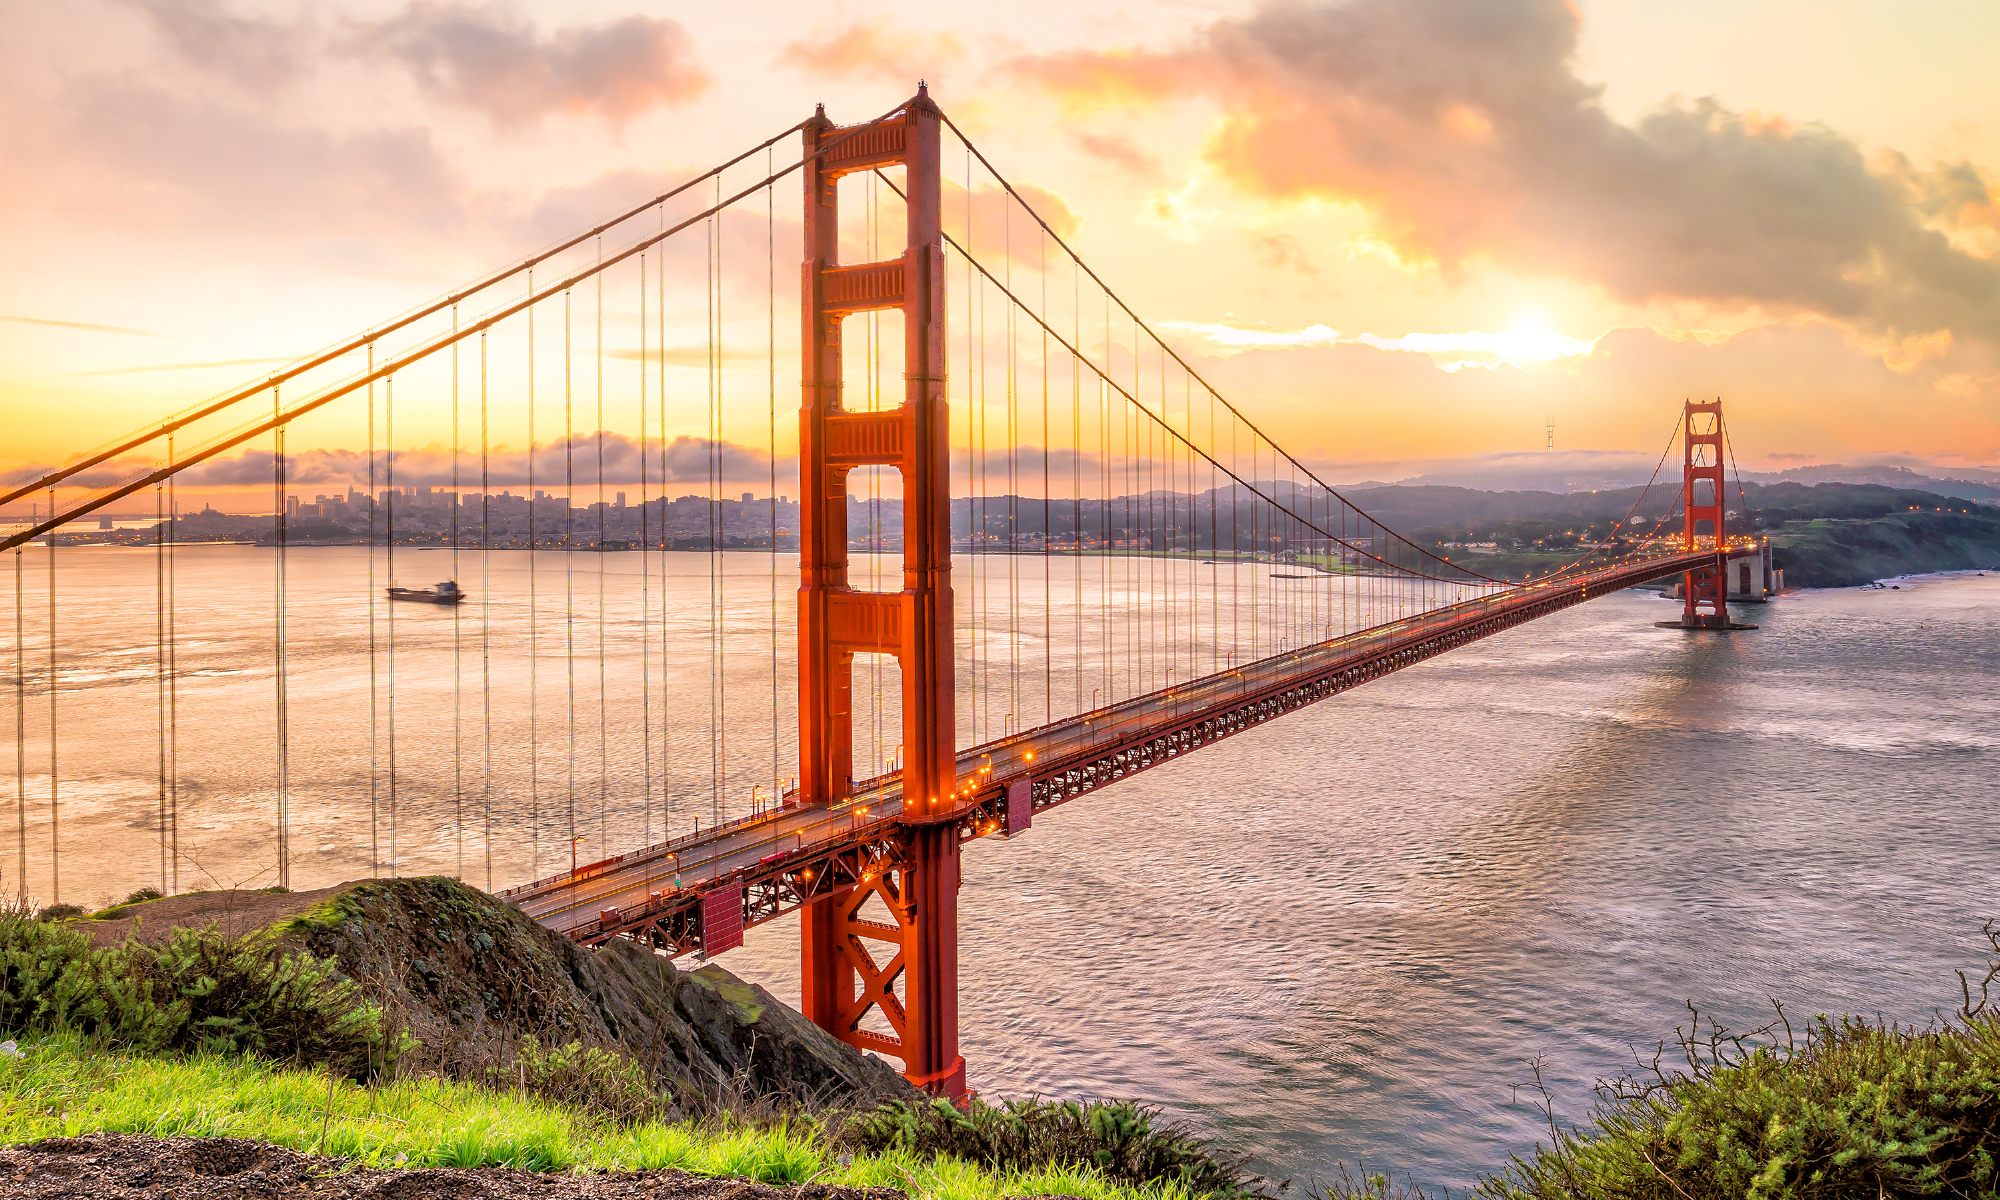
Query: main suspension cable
[(451, 300)]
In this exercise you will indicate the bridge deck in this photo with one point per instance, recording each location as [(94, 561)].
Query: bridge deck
[(776, 860)]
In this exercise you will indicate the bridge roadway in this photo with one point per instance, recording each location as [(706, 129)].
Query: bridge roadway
[(696, 892)]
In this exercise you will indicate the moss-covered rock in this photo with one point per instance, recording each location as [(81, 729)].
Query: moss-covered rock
[(468, 977)]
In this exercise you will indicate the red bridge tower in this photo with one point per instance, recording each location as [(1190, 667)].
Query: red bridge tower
[(853, 964), (1704, 587)]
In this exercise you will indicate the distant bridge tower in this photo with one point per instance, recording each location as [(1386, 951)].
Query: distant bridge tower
[(919, 882), (1701, 493)]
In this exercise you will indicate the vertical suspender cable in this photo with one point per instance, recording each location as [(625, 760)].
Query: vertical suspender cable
[(1111, 570), (872, 516), (173, 691), (457, 697), (534, 626), (645, 583), (485, 618), (374, 817), (718, 530), (20, 733), (721, 531), (1048, 641), (279, 535), (771, 421), (873, 392), (974, 516), (666, 745), (159, 657), (389, 465), (1012, 447), (55, 807), (603, 745), (569, 576)]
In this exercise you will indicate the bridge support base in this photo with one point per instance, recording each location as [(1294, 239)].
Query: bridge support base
[(904, 969), (1704, 622)]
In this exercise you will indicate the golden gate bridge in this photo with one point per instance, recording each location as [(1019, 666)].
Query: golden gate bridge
[(1119, 516)]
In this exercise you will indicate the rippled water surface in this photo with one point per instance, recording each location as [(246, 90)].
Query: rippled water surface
[(1345, 936)]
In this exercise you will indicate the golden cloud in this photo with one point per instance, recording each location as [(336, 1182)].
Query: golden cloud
[(1461, 125)]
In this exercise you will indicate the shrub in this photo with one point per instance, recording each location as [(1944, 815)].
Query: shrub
[(1855, 1108), (602, 1083), (1122, 1141), (199, 991), (59, 912)]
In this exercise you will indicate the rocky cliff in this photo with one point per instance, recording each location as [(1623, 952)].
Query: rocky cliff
[(468, 976)]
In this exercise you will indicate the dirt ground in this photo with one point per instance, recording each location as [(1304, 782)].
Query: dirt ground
[(108, 1166)]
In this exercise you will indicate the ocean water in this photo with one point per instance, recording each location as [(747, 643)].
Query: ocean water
[(1356, 935), (1353, 935)]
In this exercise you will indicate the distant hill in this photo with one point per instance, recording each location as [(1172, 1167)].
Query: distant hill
[(1973, 483), (1568, 471), (1431, 513), (1822, 534)]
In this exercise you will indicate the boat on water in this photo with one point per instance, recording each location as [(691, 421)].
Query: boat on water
[(444, 593)]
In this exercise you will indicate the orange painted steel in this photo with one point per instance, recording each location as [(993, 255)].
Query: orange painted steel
[(1704, 587), (836, 621)]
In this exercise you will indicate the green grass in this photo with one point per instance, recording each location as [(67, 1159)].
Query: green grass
[(66, 1085)]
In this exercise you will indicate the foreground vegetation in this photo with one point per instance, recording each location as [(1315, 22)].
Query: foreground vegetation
[(1851, 1109), (207, 1037), (1848, 1108), (66, 1085)]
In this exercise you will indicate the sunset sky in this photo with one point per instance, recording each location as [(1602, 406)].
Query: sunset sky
[(1394, 231)]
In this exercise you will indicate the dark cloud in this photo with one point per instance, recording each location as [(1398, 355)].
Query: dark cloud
[(242, 168), (491, 59), (257, 54), (486, 57), (1462, 125)]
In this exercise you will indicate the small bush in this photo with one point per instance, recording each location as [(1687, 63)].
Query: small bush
[(141, 896), (602, 1083), (1122, 1141), (59, 912), (1854, 1109), (201, 991)]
